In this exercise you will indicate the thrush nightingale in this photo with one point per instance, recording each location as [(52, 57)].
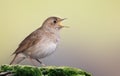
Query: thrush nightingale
[(40, 43)]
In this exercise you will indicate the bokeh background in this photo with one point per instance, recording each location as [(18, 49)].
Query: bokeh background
[(91, 43)]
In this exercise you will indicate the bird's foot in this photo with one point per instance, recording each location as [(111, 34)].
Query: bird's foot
[(43, 65)]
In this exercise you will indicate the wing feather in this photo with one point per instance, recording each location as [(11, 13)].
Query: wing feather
[(29, 41)]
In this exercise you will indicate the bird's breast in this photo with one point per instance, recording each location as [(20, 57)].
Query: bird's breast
[(44, 49)]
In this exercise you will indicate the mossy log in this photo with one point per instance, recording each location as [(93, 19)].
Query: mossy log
[(27, 70)]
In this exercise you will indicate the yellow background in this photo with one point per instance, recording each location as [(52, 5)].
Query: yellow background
[(92, 42)]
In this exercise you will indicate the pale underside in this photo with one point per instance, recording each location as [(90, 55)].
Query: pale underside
[(39, 51)]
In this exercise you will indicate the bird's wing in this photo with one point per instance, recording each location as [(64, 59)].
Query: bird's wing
[(29, 41)]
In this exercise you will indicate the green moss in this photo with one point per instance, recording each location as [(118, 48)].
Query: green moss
[(24, 70)]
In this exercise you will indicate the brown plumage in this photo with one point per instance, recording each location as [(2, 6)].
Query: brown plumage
[(40, 43)]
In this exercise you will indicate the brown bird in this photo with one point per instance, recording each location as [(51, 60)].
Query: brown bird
[(40, 43)]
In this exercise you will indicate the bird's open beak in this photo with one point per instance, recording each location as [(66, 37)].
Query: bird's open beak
[(63, 19), (61, 24)]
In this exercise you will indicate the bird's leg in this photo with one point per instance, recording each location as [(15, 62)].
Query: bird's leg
[(40, 62)]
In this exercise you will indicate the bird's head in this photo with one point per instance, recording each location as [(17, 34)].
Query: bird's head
[(53, 23)]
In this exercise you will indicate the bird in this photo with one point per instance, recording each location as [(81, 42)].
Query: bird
[(40, 43)]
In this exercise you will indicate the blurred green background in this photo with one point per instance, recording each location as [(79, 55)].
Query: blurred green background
[(92, 42)]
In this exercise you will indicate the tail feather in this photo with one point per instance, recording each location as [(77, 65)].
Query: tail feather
[(17, 59), (13, 59)]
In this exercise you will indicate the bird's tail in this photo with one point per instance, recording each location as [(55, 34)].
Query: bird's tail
[(17, 59)]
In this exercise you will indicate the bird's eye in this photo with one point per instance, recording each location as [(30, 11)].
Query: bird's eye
[(54, 21)]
